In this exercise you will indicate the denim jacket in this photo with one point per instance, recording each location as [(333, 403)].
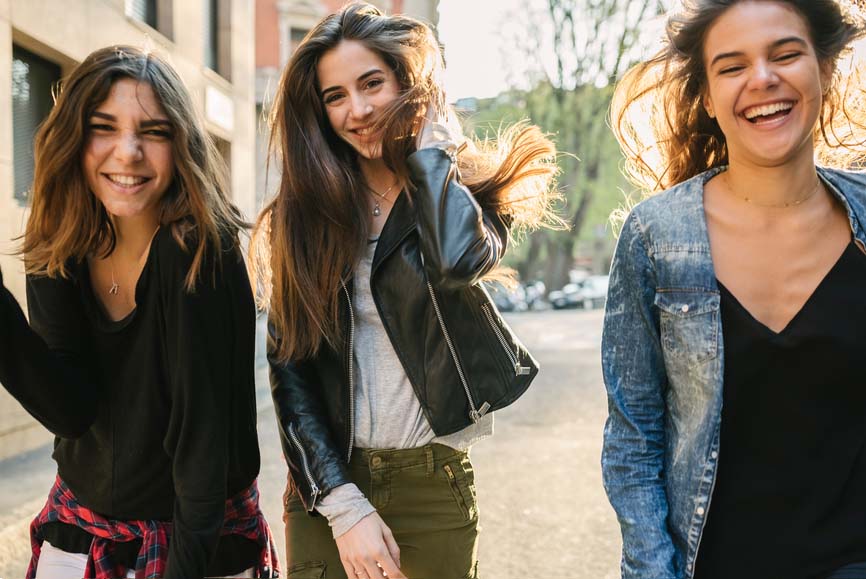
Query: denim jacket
[(662, 360)]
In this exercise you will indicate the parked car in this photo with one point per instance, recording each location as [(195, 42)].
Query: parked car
[(587, 294), (507, 299), (592, 293), (564, 298)]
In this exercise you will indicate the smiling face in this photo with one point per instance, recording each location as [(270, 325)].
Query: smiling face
[(764, 82), (128, 161), (355, 85)]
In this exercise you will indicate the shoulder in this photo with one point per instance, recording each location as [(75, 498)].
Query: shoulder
[(851, 185), (674, 217), (175, 247)]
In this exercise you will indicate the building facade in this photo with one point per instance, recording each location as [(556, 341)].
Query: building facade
[(209, 42), (280, 26)]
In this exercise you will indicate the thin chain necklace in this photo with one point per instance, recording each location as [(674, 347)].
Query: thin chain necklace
[(115, 287), (377, 211), (775, 205)]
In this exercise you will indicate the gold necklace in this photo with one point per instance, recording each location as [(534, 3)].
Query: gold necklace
[(115, 287), (377, 211), (774, 205)]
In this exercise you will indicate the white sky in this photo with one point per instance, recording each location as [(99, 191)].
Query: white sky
[(471, 33), (481, 39)]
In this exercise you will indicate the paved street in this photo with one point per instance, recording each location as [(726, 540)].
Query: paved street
[(543, 509)]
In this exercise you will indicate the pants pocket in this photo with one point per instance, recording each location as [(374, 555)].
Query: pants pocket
[(307, 570), (461, 479)]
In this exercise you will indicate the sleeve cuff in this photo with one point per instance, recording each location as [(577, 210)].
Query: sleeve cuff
[(344, 506)]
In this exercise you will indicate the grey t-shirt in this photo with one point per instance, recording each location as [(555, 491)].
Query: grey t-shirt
[(387, 411)]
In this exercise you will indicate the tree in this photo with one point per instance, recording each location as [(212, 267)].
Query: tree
[(593, 43)]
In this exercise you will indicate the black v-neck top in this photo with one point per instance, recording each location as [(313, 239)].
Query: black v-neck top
[(790, 495), (155, 414)]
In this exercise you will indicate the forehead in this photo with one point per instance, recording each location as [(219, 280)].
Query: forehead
[(753, 25), (343, 64), (130, 97)]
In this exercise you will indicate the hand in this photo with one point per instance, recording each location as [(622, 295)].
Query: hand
[(440, 129), (368, 550)]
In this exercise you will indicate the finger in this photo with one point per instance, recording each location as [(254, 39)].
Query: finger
[(388, 568), (372, 569), (393, 548)]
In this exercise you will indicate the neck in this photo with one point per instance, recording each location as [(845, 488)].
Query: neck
[(773, 186), (134, 235), (376, 174)]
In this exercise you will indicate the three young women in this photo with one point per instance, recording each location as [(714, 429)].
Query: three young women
[(387, 355), (736, 440), (139, 351)]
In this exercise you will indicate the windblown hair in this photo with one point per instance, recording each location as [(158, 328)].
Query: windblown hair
[(681, 140), (312, 234), (67, 221)]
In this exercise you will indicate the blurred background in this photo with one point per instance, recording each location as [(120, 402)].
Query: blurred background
[(550, 61)]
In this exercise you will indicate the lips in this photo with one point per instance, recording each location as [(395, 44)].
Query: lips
[(767, 112), (126, 180)]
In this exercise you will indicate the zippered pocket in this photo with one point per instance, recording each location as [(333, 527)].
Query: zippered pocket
[(475, 413), (519, 369), (314, 488)]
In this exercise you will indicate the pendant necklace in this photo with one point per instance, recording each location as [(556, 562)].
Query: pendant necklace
[(377, 211), (114, 287)]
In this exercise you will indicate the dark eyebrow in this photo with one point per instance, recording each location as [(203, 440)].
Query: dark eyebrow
[(776, 44), (144, 124), (361, 78)]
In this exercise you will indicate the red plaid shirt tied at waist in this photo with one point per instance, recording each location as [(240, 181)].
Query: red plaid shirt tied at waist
[(243, 517)]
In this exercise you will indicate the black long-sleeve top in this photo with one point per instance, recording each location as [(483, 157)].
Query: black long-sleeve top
[(155, 414)]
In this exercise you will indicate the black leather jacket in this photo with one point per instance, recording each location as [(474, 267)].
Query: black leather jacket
[(460, 356)]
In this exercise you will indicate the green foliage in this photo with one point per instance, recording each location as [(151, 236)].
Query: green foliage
[(589, 158)]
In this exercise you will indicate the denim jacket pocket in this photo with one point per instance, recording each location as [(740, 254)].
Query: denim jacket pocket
[(689, 321)]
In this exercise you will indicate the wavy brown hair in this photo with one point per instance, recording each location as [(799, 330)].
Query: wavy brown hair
[(67, 222), (658, 115), (312, 233)]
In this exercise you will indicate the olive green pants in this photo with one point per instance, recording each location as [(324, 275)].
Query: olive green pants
[(425, 495)]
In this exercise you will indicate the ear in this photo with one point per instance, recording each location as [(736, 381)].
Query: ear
[(708, 105), (826, 71)]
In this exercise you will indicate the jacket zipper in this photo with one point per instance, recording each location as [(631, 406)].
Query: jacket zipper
[(475, 413), (351, 373), (314, 488), (519, 369)]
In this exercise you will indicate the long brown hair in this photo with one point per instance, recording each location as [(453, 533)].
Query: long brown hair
[(311, 235), (68, 222), (681, 140)]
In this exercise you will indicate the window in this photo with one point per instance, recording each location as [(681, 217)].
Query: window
[(154, 13), (33, 79), (296, 35), (217, 36), (144, 10)]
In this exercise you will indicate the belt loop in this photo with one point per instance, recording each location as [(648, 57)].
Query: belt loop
[(428, 450)]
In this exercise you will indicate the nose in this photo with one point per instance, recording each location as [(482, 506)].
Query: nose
[(360, 107), (128, 147), (763, 75)]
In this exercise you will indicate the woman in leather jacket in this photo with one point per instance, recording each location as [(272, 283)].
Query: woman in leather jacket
[(387, 355), (732, 346)]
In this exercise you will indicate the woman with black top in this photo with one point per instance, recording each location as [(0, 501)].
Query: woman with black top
[(139, 352), (735, 322), (387, 355)]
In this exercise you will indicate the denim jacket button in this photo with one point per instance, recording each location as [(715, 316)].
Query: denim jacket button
[(685, 308), (714, 454), (701, 511)]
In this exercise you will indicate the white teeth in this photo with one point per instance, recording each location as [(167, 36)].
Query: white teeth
[(363, 131), (765, 110), (126, 180)]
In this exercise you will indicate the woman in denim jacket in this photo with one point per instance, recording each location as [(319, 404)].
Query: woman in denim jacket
[(735, 316)]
